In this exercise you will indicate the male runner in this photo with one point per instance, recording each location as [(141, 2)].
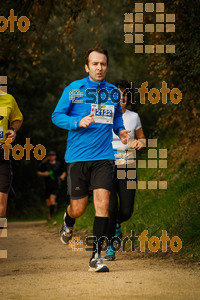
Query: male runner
[(89, 147), (52, 170), (9, 114)]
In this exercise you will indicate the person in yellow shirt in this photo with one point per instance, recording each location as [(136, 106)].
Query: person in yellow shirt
[(10, 122)]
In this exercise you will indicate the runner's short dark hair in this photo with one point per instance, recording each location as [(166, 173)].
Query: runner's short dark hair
[(97, 49), (51, 152), (123, 84)]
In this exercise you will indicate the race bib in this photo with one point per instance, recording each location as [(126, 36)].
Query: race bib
[(103, 115), (1, 133)]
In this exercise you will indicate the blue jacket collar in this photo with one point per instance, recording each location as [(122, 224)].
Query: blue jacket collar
[(95, 84)]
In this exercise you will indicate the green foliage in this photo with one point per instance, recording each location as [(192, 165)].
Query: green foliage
[(175, 209)]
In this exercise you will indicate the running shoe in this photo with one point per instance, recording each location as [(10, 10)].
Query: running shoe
[(118, 231), (96, 264), (110, 253), (65, 233)]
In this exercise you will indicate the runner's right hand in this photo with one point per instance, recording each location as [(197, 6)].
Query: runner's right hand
[(87, 121)]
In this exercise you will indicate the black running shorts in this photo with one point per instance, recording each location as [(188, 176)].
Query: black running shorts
[(89, 175), (51, 190), (5, 176)]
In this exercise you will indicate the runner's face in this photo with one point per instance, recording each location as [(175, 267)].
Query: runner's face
[(97, 66), (52, 157), (123, 99)]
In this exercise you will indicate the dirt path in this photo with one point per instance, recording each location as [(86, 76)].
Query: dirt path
[(40, 267)]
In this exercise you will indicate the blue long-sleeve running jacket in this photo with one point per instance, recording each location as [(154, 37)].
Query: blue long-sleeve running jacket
[(94, 142)]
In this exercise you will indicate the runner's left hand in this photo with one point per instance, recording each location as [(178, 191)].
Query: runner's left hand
[(124, 136), (62, 177), (137, 144), (11, 135)]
